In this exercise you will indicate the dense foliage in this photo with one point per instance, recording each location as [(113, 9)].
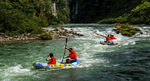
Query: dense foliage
[(46, 36), (138, 15), (28, 16), (95, 10)]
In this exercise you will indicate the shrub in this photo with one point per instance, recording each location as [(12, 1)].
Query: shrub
[(125, 26), (125, 33), (46, 36), (133, 32), (126, 30)]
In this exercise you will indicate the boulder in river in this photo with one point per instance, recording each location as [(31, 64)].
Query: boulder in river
[(127, 30)]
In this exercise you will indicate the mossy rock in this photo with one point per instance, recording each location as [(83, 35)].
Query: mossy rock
[(137, 29), (126, 30), (133, 32), (126, 33), (124, 26), (46, 36)]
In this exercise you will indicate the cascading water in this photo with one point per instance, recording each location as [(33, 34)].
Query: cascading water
[(54, 9), (129, 60)]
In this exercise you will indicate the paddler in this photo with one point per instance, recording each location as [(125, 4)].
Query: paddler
[(112, 37), (72, 56), (51, 60), (108, 38)]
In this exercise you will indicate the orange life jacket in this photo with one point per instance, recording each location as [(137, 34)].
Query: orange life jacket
[(53, 61), (73, 54), (107, 38)]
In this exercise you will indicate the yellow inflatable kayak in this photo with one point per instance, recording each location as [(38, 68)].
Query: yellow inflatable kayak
[(41, 65), (113, 42)]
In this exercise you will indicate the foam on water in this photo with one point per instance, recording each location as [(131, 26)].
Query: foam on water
[(91, 44), (10, 72)]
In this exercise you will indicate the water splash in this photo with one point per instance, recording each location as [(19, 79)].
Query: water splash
[(10, 72)]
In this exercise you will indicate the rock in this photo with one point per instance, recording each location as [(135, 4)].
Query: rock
[(6, 36), (60, 29), (2, 34)]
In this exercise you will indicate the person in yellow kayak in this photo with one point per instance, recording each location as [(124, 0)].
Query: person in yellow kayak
[(72, 55), (112, 37), (51, 60), (108, 39)]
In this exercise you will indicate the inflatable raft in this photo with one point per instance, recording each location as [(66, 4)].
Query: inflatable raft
[(41, 65), (113, 42)]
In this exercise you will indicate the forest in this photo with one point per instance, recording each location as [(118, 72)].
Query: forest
[(29, 16)]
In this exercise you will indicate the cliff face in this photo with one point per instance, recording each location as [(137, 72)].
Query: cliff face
[(138, 15), (87, 11)]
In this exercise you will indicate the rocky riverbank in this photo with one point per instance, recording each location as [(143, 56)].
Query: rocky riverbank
[(54, 33), (60, 32)]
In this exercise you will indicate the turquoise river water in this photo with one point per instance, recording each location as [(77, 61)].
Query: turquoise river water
[(127, 61)]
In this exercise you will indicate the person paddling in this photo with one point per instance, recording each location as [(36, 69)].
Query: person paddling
[(112, 37), (72, 56), (108, 38), (51, 60)]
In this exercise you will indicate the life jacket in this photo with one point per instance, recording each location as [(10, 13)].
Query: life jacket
[(73, 55), (53, 61), (129, 25), (116, 25), (112, 37), (107, 38)]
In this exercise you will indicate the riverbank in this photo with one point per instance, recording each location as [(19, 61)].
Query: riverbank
[(55, 33)]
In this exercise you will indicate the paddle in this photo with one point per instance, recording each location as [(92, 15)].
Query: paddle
[(65, 49), (99, 34), (47, 57)]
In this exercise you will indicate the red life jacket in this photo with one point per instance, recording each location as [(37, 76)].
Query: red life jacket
[(112, 37), (73, 54), (116, 25), (107, 38), (129, 25), (53, 61)]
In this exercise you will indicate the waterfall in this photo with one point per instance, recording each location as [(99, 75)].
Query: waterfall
[(76, 7), (54, 13), (74, 10)]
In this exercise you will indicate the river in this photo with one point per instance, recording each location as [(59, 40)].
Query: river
[(127, 61)]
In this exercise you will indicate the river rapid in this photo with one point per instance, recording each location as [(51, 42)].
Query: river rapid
[(127, 61)]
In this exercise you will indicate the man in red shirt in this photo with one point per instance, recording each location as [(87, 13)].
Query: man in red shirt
[(108, 38), (72, 56), (51, 60), (112, 37)]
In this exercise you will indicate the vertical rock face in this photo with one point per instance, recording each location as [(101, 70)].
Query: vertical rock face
[(88, 11), (73, 10)]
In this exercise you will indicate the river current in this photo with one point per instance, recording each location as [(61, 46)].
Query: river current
[(127, 61)]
